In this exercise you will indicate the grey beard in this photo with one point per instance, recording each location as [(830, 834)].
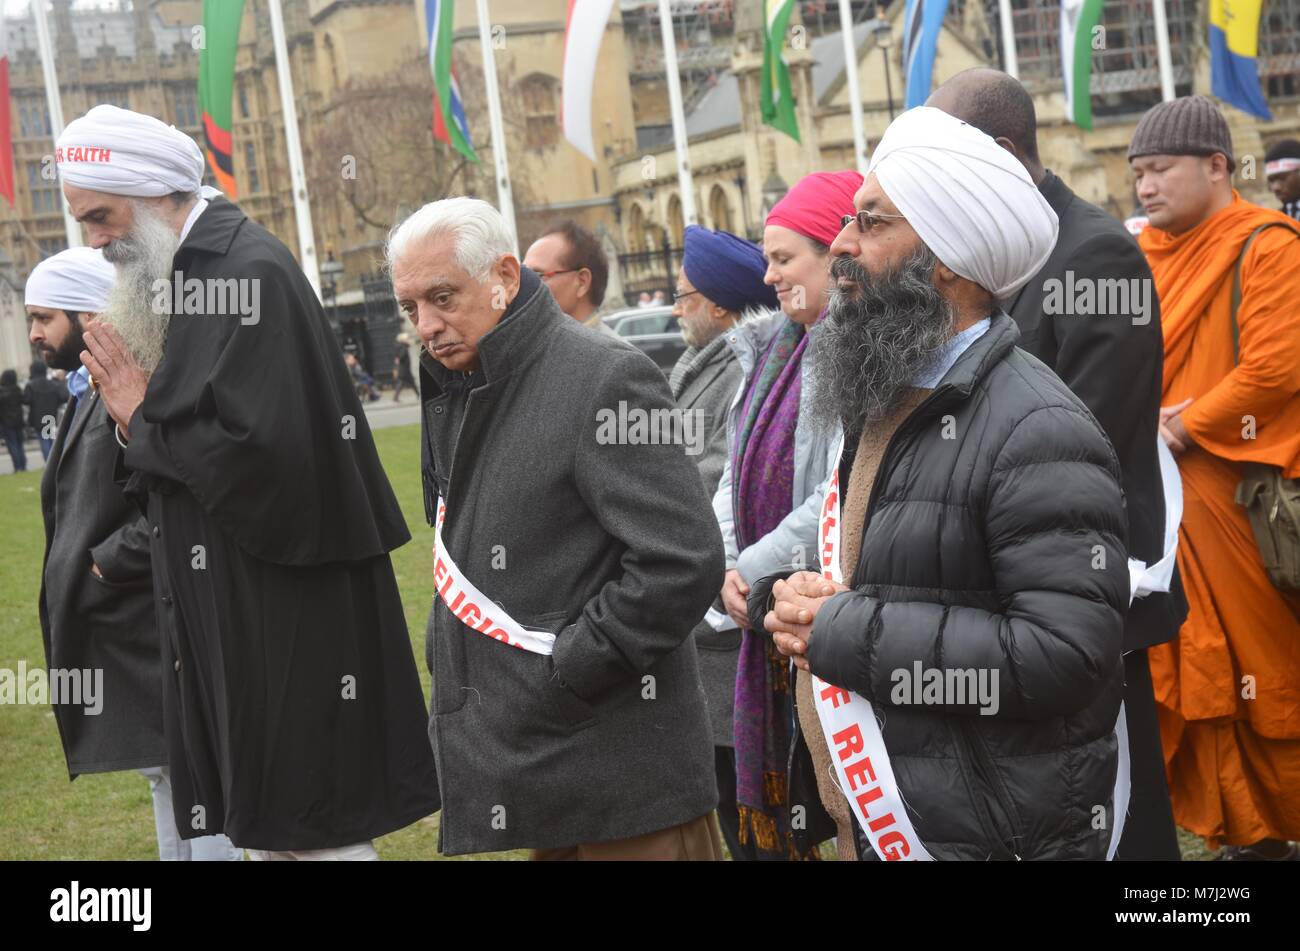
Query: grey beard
[(142, 257), (876, 339)]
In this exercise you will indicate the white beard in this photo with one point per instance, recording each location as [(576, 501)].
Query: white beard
[(143, 257)]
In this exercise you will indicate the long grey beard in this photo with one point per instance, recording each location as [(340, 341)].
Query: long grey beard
[(876, 339), (134, 308)]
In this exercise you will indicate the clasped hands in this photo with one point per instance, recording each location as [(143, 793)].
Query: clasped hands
[(797, 600), (116, 373)]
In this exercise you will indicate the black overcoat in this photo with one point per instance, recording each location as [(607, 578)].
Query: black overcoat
[(99, 623), (293, 710), (1113, 362)]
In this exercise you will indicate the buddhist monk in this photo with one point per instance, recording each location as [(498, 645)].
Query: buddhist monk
[(1228, 689)]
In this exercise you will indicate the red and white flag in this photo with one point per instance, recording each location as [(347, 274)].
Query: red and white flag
[(582, 35), (6, 125)]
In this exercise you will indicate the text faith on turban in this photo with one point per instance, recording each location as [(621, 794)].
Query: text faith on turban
[(81, 153)]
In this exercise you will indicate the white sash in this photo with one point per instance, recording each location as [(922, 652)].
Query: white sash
[(1144, 580), (473, 608), (849, 721), (719, 620), (857, 749)]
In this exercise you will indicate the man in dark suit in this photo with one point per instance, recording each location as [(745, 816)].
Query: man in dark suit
[(96, 601), (1091, 314)]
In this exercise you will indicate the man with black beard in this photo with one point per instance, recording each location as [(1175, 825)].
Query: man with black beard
[(294, 717), (1111, 355), (966, 681), (96, 600)]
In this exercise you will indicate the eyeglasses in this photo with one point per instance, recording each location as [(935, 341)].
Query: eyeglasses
[(678, 295), (867, 220), (547, 275)]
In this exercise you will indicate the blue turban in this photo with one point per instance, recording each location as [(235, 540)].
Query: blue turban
[(726, 269)]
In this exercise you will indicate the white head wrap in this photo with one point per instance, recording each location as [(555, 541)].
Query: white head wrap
[(76, 279), (970, 200), (125, 153)]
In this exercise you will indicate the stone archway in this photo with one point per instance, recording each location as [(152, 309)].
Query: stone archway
[(676, 227), (720, 216)]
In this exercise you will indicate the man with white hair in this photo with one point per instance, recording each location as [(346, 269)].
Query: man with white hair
[(96, 602), (965, 683), (291, 701), (576, 550)]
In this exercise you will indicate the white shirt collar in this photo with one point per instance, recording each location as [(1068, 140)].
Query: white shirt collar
[(955, 346), (197, 210)]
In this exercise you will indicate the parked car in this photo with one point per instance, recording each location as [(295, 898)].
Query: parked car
[(652, 330)]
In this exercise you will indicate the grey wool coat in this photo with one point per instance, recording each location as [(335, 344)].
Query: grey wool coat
[(609, 546), (705, 381), (105, 623)]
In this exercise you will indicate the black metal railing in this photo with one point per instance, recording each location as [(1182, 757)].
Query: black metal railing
[(650, 271)]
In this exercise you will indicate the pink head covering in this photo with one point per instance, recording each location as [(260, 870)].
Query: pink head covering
[(815, 205)]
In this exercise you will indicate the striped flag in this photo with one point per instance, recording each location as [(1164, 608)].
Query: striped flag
[(1079, 19), (583, 31), (221, 20), (6, 126), (922, 20), (1234, 46), (775, 96), (447, 104)]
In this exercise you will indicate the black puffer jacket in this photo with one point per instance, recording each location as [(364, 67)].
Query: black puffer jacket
[(994, 541)]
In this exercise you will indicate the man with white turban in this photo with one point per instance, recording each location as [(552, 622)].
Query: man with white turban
[(966, 674), (96, 603), (294, 718), (1110, 353)]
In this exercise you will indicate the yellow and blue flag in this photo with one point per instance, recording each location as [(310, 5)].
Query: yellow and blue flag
[(1234, 46)]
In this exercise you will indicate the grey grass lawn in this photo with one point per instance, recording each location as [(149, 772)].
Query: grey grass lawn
[(109, 815)]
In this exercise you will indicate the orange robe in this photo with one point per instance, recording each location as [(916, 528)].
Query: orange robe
[(1228, 689)]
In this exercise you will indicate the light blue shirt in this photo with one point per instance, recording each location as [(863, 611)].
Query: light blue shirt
[(79, 382), (948, 354)]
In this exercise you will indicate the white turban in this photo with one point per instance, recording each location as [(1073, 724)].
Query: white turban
[(76, 279), (125, 153), (970, 200)]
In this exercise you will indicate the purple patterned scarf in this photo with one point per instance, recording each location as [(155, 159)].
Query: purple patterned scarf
[(763, 462)]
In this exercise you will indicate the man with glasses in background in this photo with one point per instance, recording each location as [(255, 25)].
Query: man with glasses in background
[(569, 260)]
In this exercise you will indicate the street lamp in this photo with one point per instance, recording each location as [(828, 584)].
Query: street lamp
[(883, 36), (774, 190), (739, 182), (330, 271)]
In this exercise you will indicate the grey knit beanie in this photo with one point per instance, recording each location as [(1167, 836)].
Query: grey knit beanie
[(1192, 125)]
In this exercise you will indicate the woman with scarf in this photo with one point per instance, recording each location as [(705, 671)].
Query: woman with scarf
[(767, 502)]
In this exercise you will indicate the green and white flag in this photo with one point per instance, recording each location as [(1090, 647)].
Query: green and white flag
[(1079, 37), (776, 97)]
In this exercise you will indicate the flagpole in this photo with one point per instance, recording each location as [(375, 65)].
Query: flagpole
[(505, 195), (855, 94), (1162, 51), (1009, 60), (685, 184), (55, 104), (297, 174)]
